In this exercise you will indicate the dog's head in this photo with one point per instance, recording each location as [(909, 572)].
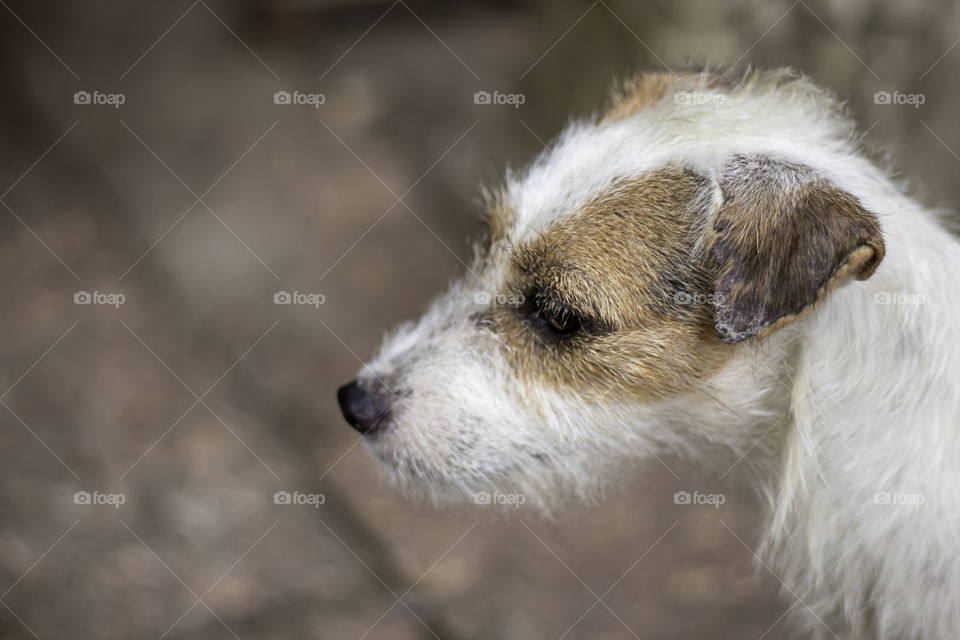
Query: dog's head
[(624, 274)]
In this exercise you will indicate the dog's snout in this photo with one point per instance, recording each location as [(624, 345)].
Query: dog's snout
[(364, 407)]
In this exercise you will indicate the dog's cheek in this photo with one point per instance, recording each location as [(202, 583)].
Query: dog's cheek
[(633, 366), (652, 365)]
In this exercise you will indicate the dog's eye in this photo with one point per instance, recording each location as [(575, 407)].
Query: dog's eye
[(553, 319), (560, 322), (564, 322)]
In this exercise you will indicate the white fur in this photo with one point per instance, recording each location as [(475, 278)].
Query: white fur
[(870, 391)]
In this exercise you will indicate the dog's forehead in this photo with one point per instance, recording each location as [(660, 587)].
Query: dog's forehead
[(691, 120), (627, 249), (587, 162)]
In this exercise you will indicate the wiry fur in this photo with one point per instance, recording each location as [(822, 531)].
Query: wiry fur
[(848, 399)]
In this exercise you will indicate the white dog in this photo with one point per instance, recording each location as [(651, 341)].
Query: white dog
[(709, 268)]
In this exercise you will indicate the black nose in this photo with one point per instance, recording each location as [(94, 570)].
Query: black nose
[(363, 408)]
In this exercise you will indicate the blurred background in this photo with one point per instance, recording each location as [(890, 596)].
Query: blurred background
[(168, 168)]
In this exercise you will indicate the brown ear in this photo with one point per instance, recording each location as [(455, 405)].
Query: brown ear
[(783, 237)]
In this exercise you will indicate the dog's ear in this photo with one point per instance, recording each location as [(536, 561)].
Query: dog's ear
[(782, 238)]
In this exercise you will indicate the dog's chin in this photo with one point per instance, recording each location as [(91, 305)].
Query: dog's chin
[(519, 479)]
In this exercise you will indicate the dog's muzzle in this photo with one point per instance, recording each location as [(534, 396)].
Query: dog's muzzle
[(365, 405)]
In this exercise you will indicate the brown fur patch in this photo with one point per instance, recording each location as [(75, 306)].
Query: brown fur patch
[(784, 237), (498, 213), (641, 91), (624, 263)]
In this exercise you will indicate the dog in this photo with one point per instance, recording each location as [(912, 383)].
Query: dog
[(711, 268)]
